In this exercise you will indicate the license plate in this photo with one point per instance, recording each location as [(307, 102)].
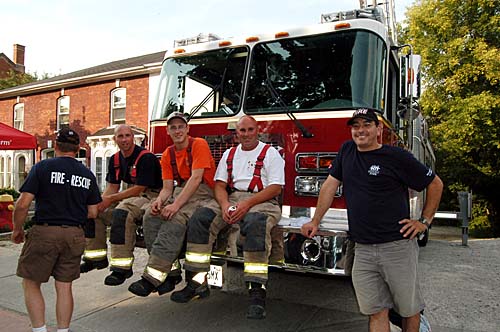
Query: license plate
[(214, 276)]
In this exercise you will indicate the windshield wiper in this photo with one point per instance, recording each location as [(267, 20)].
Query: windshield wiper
[(219, 87), (305, 133)]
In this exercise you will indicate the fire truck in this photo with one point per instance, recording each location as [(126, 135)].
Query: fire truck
[(301, 85)]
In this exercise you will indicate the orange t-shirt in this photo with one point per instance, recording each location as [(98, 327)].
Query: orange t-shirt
[(202, 158)]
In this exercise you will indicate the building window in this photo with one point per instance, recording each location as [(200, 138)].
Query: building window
[(98, 172), (81, 156), (21, 170), (48, 153), (8, 172), (62, 112), (2, 172), (19, 116), (118, 105)]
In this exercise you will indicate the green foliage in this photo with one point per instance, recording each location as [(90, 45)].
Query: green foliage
[(480, 226), (11, 191), (459, 41), (15, 79)]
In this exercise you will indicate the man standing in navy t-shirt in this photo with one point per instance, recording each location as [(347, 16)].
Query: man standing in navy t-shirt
[(375, 181), (65, 194)]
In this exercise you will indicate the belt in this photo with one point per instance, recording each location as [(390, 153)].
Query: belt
[(60, 225)]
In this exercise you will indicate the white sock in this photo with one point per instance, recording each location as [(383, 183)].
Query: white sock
[(63, 330), (39, 329)]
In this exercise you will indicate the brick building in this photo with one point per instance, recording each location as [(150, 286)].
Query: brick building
[(16, 64), (91, 101)]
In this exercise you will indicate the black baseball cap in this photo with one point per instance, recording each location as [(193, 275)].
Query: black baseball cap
[(363, 113), (177, 115), (67, 135)]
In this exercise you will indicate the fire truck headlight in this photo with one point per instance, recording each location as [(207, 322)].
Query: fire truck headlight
[(307, 185), (311, 185)]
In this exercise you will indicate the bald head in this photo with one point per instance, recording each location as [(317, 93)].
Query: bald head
[(246, 120), (247, 131), (124, 138), (123, 128)]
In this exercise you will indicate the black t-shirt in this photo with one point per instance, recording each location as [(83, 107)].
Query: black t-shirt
[(63, 187), (148, 170), (375, 185)]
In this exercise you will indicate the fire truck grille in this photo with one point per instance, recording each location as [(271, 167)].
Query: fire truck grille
[(220, 143)]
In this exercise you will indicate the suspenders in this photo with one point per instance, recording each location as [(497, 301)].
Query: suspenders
[(173, 162), (133, 172), (256, 179)]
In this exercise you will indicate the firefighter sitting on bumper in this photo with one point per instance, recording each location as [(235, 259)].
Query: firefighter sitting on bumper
[(255, 176), (190, 163), (141, 171)]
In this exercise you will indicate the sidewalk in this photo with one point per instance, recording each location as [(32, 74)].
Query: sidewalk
[(99, 308), (460, 285)]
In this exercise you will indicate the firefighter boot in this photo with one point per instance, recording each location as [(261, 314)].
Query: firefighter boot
[(257, 307), (89, 265), (169, 284), (193, 290), (143, 287), (117, 277)]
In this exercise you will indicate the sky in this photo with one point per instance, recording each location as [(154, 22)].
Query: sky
[(63, 36)]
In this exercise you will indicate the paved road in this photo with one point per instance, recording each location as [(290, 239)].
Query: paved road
[(460, 284)]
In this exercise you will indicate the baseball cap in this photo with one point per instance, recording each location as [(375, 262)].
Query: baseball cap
[(363, 113), (67, 135), (177, 115)]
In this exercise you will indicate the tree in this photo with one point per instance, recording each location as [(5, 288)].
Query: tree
[(14, 79), (459, 41)]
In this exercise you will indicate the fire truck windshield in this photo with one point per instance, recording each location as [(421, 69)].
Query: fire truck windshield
[(203, 85), (336, 70)]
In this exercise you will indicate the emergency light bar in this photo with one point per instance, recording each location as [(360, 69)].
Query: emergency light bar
[(370, 13)]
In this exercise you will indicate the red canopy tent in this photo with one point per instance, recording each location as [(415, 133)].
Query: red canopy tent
[(13, 139)]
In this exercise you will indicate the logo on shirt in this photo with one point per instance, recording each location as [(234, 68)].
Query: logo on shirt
[(374, 170), (429, 172)]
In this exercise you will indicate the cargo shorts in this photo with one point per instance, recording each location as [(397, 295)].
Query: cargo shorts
[(385, 276), (52, 251)]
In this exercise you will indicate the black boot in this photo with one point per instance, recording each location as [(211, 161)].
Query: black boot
[(141, 287), (169, 284), (117, 277), (193, 290), (144, 287), (257, 306), (89, 265)]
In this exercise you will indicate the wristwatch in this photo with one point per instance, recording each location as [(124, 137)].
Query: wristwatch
[(424, 221)]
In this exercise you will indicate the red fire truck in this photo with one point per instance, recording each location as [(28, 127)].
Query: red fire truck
[(301, 85)]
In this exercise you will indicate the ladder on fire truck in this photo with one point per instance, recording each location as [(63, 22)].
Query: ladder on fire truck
[(389, 19)]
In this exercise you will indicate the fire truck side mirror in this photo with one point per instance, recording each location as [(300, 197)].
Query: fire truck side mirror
[(410, 76)]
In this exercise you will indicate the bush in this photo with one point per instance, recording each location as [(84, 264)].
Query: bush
[(481, 225), (11, 191)]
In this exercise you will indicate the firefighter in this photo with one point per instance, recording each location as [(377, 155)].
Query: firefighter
[(189, 164), (140, 170), (66, 194), (249, 178)]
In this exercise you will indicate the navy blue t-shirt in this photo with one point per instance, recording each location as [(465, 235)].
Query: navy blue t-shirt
[(148, 170), (63, 187), (375, 185)]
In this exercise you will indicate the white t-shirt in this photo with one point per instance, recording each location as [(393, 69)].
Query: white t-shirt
[(273, 171)]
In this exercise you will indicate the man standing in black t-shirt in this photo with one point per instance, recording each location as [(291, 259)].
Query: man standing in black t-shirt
[(140, 170), (375, 181), (65, 194)]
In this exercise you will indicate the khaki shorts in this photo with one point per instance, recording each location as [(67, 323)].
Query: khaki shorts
[(52, 251), (385, 276)]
